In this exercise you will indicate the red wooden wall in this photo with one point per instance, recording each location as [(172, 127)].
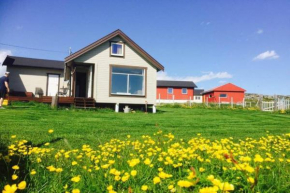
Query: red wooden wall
[(177, 92), (237, 96)]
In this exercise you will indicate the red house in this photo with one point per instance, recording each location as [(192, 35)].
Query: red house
[(225, 94), (174, 91)]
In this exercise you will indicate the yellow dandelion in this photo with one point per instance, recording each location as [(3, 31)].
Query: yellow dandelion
[(22, 185)]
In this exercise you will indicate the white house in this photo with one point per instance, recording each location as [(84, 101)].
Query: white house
[(198, 95), (114, 69)]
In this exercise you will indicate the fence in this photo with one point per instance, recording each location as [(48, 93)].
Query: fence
[(280, 104)]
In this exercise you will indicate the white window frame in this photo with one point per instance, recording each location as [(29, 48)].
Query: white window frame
[(224, 94), (118, 43), (168, 90), (128, 81), (183, 92), (197, 97)]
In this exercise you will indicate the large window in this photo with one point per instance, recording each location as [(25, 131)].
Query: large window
[(128, 81), (184, 90), (170, 90), (117, 49)]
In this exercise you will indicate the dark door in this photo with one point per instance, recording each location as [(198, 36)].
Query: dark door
[(81, 84)]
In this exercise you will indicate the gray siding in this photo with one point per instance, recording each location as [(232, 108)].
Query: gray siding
[(26, 79), (102, 60)]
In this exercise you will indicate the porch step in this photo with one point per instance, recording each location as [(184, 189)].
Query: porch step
[(84, 102)]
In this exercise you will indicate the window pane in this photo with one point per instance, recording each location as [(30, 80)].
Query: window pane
[(170, 90), (119, 83), (184, 91), (136, 85), (128, 70), (223, 95), (117, 49)]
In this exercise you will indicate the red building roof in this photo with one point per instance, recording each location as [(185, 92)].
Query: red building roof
[(227, 87)]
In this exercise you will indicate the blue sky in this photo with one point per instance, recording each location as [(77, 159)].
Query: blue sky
[(210, 42)]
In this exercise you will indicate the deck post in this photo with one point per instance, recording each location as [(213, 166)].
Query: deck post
[(54, 102), (117, 107), (154, 109)]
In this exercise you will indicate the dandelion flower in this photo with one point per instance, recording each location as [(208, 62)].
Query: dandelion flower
[(22, 185), (144, 188), (133, 173), (50, 131), (76, 179), (14, 177), (16, 167), (75, 191), (156, 180), (10, 189)]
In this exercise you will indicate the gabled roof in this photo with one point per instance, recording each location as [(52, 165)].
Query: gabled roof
[(107, 38), (173, 83), (33, 62), (198, 91), (226, 87)]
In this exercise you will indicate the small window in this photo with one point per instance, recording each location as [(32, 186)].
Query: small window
[(184, 90), (117, 49), (170, 90), (197, 98), (223, 95), (210, 96)]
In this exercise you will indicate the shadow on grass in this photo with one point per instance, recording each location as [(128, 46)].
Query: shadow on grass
[(8, 160)]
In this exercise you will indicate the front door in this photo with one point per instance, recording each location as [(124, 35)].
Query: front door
[(52, 84), (81, 84)]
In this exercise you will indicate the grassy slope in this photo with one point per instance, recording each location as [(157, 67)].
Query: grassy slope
[(91, 127)]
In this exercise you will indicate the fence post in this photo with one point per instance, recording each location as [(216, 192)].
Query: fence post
[(275, 103), (243, 102), (260, 102), (232, 103), (219, 102), (173, 98), (159, 98)]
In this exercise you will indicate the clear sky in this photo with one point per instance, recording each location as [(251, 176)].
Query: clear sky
[(244, 42)]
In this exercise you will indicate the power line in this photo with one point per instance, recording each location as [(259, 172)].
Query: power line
[(44, 50)]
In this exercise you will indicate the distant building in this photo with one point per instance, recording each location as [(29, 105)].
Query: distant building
[(197, 98), (175, 91), (224, 94)]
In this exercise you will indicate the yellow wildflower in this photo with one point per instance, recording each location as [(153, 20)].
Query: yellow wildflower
[(184, 183), (76, 179), (14, 177), (33, 172), (226, 186), (156, 180), (22, 185), (16, 167), (133, 173), (10, 189), (75, 191), (144, 188), (50, 131)]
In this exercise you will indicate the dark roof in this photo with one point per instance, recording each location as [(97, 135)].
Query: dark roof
[(107, 38), (32, 62), (198, 91), (174, 83)]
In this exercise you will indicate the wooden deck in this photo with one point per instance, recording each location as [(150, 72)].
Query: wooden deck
[(76, 101)]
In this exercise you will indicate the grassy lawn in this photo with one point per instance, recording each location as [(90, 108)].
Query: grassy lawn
[(93, 127), (154, 163)]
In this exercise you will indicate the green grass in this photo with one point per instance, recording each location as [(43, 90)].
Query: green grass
[(96, 126)]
